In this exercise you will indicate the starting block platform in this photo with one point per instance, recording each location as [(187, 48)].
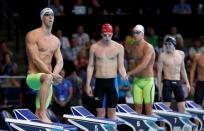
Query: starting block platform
[(196, 109), (86, 121), (25, 120), (179, 121), (138, 122)]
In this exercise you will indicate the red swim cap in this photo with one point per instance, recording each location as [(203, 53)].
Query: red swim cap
[(107, 28)]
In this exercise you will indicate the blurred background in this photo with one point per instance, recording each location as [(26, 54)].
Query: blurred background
[(77, 25)]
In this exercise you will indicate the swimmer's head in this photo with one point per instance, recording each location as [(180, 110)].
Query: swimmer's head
[(106, 32), (170, 40), (107, 28), (138, 33), (138, 29), (46, 12), (170, 43)]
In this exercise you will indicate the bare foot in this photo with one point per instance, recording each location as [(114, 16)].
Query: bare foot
[(43, 117), (46, 120), (196, 122)]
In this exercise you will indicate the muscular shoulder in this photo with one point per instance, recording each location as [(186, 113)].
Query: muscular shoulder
[(55, 39), (197, 56), (118, 45), (180, 53), (94, 46), (33, 35), (34, 32), (149, 48)]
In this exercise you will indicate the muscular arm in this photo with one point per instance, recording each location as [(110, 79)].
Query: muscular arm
[(59, 61), (183, 71), (122, 70), (192, 71), (146, 59), (32, 50), (159, 72), (90, 67)]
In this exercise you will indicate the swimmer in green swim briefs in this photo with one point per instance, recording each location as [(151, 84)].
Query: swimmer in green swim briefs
[(41, 47), (143, 82), (143, 90)]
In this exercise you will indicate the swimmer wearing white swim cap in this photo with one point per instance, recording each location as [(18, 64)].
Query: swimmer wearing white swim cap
[(41, 47)]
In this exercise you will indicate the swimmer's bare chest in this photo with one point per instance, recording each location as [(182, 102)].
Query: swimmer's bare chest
[(46, 48), (173, 61), (106, 62), (138, 54), (172, 66), (106, 54)]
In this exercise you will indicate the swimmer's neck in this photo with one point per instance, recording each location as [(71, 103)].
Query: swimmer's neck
[(171, 52), (46, 30), (105, 43), (139, 42)]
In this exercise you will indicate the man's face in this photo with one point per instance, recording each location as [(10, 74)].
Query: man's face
[(48, 19), (106, 36), (138, 35), (169, 47)]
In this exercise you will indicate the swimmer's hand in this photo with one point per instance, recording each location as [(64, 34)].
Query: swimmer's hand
[(88, 91), (126, 77), (57, 78)]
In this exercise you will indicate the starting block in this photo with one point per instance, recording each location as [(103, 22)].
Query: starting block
[(27, 121), (179, 121), (196, 109), (5, 114), (86, 121), (138, 122)]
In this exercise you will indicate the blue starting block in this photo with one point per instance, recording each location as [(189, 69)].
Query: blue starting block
[(27, 121), (86, 121), (196, 109), (136, 121), (179, 121)]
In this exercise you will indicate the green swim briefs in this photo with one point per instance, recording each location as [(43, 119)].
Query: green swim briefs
[(33, 81), (143, 89)]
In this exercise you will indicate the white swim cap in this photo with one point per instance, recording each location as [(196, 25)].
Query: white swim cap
[(45, 10), (139, 28)]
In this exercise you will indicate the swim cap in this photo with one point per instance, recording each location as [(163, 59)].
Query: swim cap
[(45, 10), (139, 28), (171, 40), (107, 28)]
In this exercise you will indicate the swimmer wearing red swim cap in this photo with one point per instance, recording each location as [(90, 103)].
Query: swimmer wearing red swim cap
[(107, 28), (106, 59), (106, 33)]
